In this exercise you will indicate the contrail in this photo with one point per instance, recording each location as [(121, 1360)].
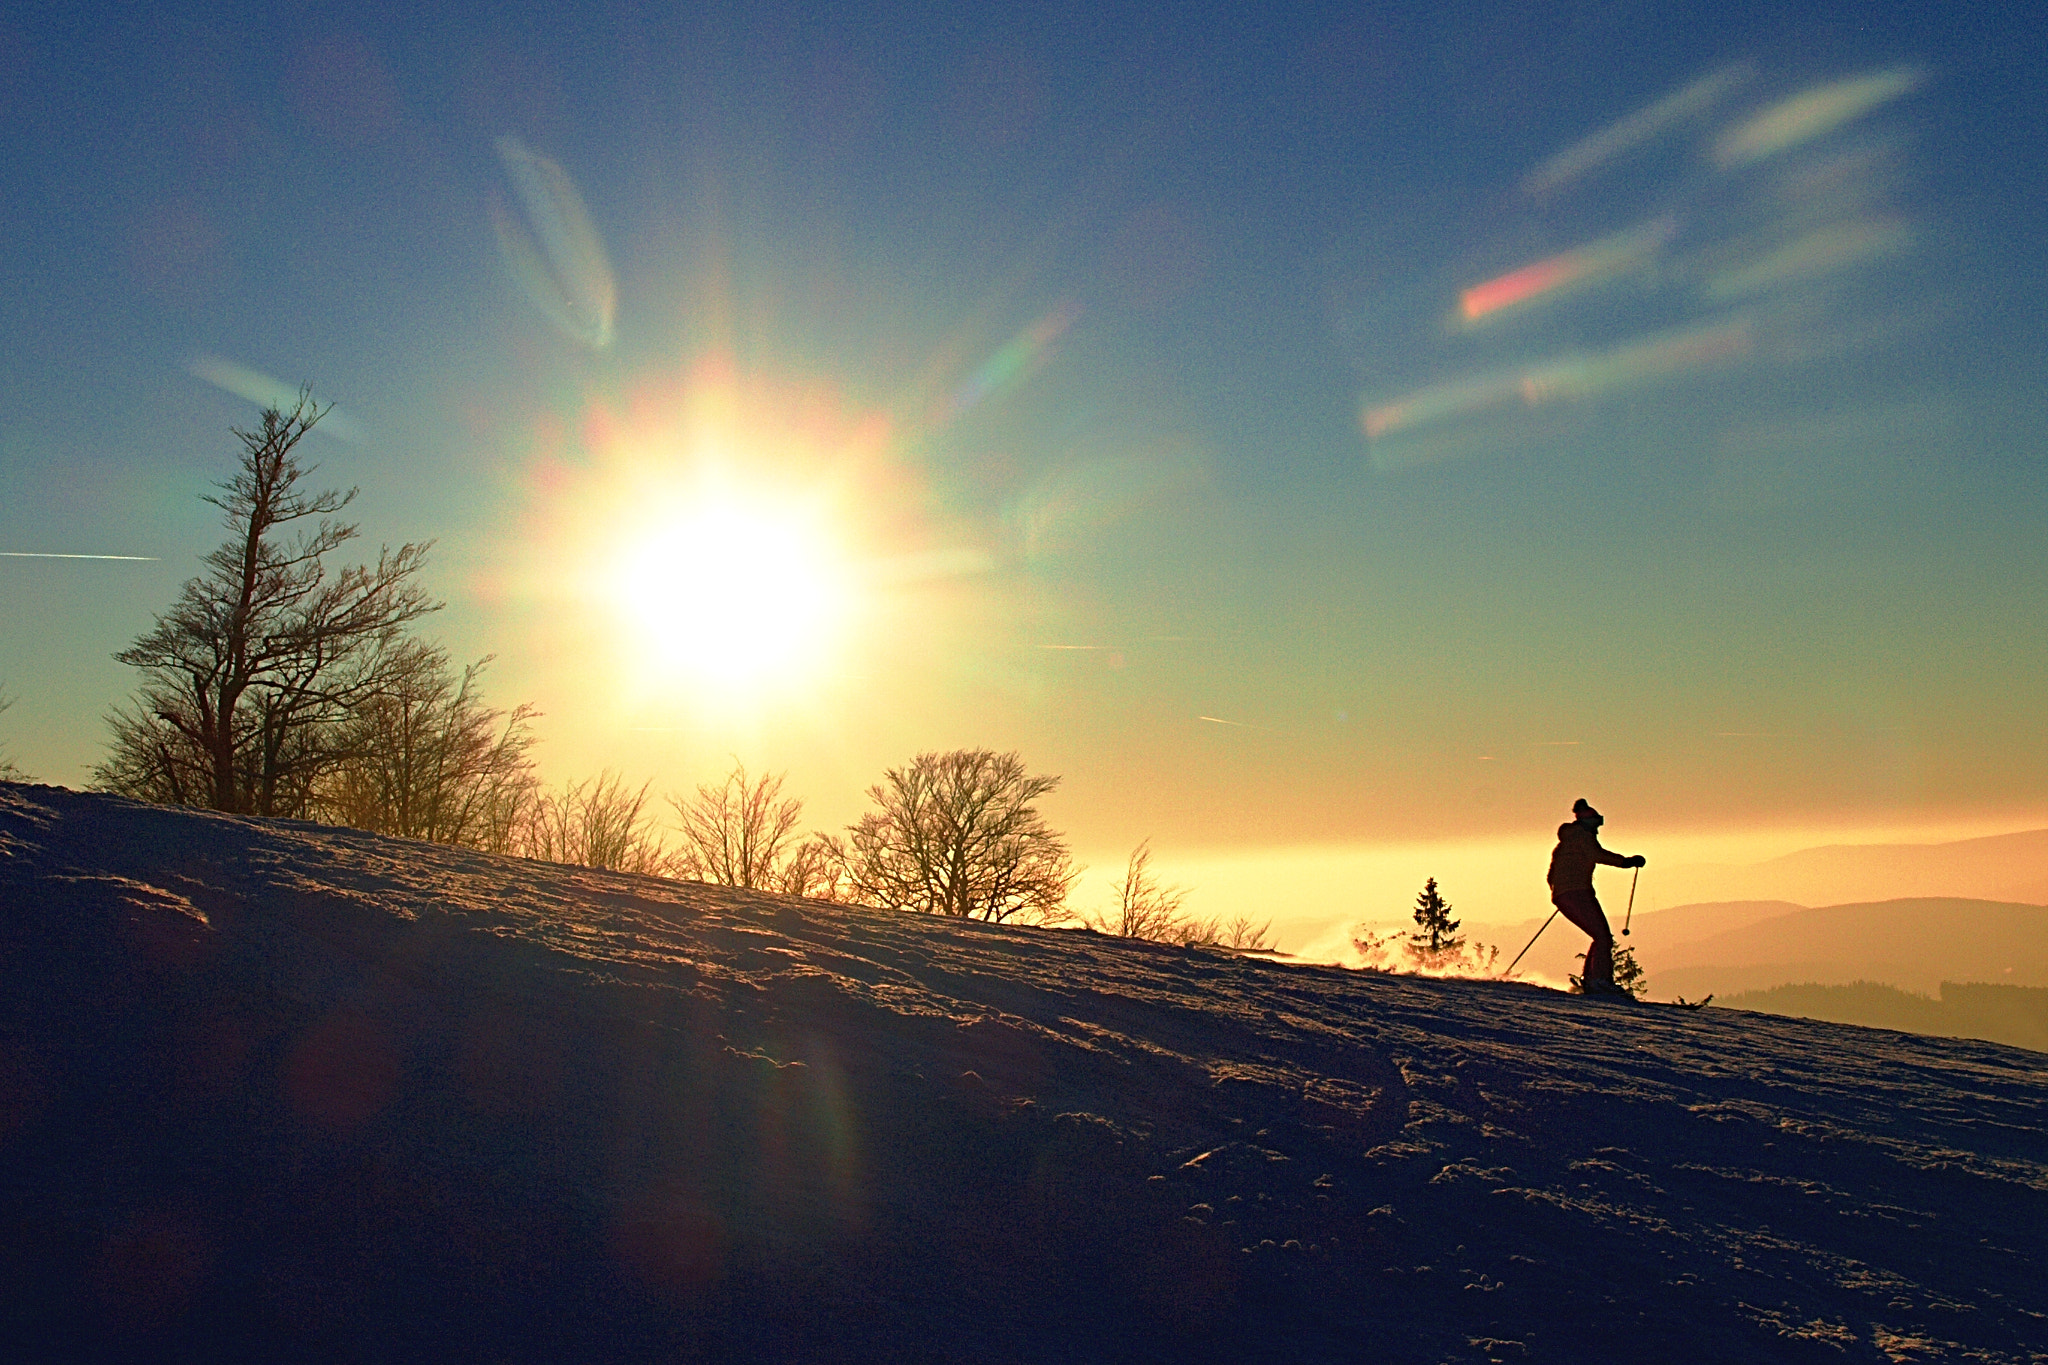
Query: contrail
[(32, 554)]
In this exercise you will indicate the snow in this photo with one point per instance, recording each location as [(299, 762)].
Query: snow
[(270, 1090)]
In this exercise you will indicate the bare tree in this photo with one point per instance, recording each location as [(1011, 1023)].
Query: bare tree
[(248, 676), (816, 868), (424, 758), (1241, 933), (153, 756), (599, 823), (739, 832), (1144, 908), (956, 834)]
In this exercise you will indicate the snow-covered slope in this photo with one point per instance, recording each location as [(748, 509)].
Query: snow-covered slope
[(280, 1092)]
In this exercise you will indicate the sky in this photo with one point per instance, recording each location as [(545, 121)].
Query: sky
[(1310, 431)]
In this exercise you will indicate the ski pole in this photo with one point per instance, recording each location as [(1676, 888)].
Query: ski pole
[(1526, 947), (1631, 901)]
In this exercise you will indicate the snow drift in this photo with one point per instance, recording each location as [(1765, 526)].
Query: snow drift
[(275, 1091)]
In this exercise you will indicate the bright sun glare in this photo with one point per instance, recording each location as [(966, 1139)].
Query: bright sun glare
[(737, 594)]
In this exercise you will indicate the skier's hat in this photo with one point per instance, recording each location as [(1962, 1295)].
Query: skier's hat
[(1583, 807)]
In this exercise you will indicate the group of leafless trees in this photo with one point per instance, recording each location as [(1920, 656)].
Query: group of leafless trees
[(277, 685)]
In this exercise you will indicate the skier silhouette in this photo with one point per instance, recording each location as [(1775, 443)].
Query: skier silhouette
[(1571, 891)]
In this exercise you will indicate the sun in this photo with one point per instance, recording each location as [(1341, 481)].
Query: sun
[(738, 593)]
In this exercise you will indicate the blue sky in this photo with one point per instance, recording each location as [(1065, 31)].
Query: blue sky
[(1095, 304)]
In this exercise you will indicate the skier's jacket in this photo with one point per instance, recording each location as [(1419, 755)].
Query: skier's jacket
[(1572, 861)]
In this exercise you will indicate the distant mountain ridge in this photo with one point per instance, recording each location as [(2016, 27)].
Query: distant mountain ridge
[(1914, 943), (1999, 867), (1555, 951)]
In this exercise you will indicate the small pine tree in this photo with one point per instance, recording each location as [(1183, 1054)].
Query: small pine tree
[(1436, 939), (1628, 973)]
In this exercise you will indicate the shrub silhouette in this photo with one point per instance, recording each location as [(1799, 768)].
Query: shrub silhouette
[(742, 832), (1146, 909)]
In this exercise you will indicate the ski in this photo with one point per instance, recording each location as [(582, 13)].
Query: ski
[(1681, 1003)]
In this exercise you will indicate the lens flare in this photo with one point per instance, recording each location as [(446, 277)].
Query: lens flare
[(1552, 278), (267, 392), (1575, 375), (1638, 128), (1812, 113), (1018, 359), (554, 253), (1839, 246)]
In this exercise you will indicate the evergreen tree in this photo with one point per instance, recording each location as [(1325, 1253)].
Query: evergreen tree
[(1436, 940), (1628, 973)]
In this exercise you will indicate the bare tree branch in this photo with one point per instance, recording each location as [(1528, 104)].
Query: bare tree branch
[(8, 771)]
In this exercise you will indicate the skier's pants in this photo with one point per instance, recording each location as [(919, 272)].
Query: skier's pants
[(1583, 909)]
